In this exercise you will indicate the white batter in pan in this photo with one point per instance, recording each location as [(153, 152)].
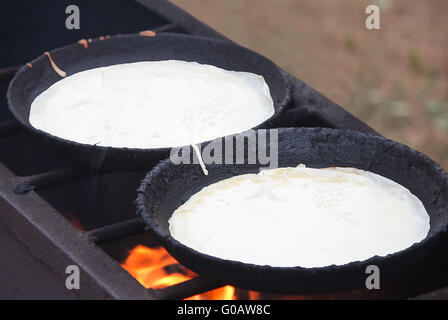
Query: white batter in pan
[(301, 217), (152, 104)]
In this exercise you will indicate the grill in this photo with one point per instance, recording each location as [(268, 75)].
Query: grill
[(54, 213)]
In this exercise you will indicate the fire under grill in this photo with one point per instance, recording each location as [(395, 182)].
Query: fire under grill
[(54, 213)]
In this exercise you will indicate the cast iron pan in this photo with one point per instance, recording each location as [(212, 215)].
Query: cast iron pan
[(168, 186), (30, 82)]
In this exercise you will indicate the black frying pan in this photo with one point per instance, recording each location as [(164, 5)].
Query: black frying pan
[(30, 82), (168, 186)]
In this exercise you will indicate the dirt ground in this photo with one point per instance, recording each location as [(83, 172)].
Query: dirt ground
[(395, 79)]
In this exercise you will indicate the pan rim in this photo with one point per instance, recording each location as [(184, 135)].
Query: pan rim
[(278, 110)]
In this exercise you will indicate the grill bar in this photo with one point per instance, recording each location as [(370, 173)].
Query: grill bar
[(117, 231), (50, 179), (7, 74), (188, 288)]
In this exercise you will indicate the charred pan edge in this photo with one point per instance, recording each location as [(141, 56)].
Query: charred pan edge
[(70, 149), (348, 273)]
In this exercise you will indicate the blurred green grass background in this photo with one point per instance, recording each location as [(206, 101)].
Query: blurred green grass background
[(395, 79)]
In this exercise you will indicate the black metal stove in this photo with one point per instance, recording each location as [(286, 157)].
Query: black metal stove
[(54, 213)]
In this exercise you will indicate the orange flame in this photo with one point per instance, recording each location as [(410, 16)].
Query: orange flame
[(155, 268), (149, 267)]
